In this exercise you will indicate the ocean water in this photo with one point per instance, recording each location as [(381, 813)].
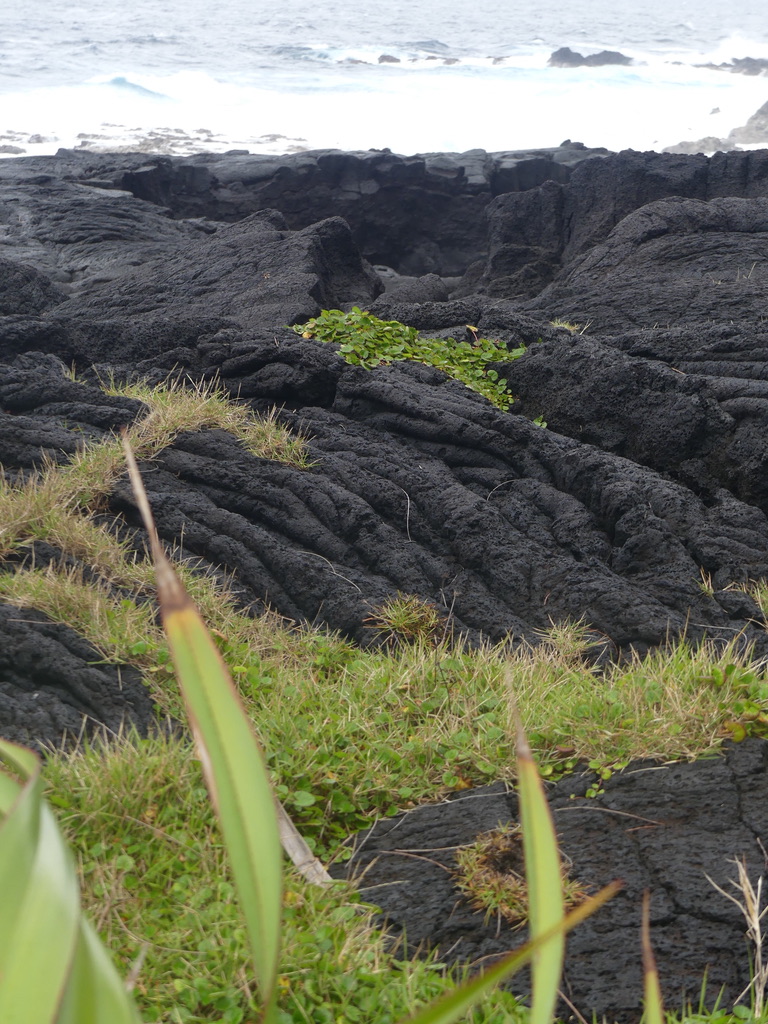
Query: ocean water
[(274, 76)]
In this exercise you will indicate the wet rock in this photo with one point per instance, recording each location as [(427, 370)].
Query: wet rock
[(700, 425), (80, 236), (25, 290), (252, 272), (755, 130), (565, 57), (421, 486), (741, 66), (709, 144), (533, 236), (429, 288)]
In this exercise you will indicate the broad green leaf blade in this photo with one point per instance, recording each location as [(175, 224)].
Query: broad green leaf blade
[(237, 779), (543, 876), (234, 767), (451, 1007), (95, 993), (21, 760), (19, 827), (53, 968), (9, 793), (37, 962), (654, 1007)]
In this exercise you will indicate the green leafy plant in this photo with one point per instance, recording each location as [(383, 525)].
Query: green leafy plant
[(749, 710), (603, 772), (365, 340)]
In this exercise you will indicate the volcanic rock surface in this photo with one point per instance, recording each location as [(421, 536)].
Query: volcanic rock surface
[(649, 479), (419, 214), (658, 829), (54, 684)]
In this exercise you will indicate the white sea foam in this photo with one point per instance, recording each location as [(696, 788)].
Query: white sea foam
[(415, 110), (299, 79)]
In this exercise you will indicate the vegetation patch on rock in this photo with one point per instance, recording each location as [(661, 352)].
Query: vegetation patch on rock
[(365, 340)]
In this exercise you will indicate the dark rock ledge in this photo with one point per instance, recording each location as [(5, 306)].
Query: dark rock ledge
[(652, 473), (663, 830)]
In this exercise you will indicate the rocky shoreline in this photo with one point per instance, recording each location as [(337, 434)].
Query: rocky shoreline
[(639, 283), (650, 476)]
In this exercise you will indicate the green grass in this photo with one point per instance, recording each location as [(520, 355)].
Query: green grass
[(350, 735), (157, 885), (174, 407)]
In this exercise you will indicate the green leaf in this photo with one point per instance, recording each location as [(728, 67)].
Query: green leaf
[(235, 773), (233, 764), (18, 836), (367, 341), (51, 961), (302, 798), (95, 992), (543, 875), (654, 1008), (44, 903)]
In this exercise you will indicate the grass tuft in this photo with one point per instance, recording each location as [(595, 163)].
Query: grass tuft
[(406, 619), (491, 874), (176, 407), (570, 326)]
